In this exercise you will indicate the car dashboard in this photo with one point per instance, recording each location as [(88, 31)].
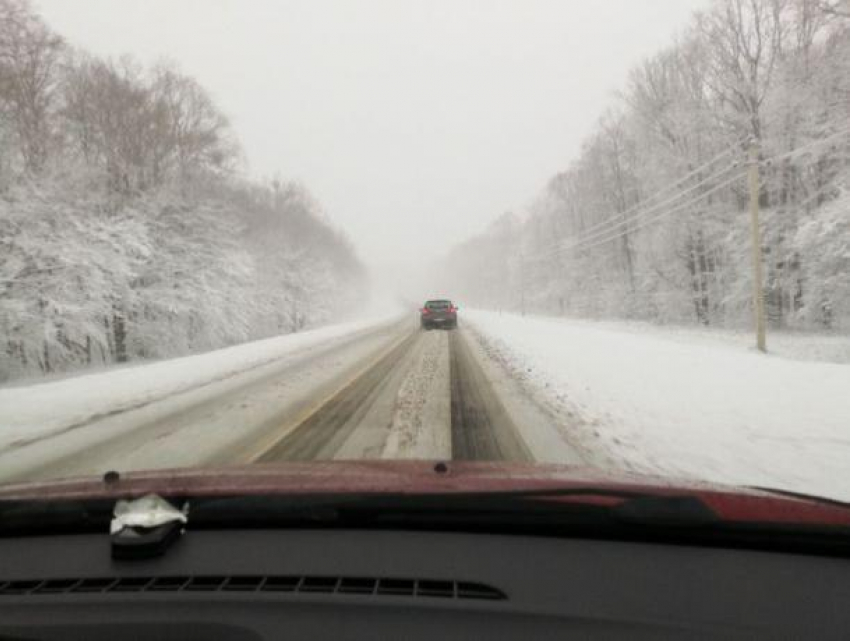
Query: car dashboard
[(235, 585)]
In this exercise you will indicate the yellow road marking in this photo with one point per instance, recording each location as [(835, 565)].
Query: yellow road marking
[(276, 435)]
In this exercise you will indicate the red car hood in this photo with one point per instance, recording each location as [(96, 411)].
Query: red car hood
[(422, 477)]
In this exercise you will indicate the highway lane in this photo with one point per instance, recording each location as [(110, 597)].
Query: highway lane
[(453, 408), (397, 392)]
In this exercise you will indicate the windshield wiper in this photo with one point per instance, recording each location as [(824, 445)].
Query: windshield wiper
[(824, 500)]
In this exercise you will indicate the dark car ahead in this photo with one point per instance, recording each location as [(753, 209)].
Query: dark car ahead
[(438, 313)]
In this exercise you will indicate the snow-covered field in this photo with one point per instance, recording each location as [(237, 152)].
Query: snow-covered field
[(688, 402), (33, 411)]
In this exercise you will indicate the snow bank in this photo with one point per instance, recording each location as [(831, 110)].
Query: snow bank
[(685, 403), (37, 410)]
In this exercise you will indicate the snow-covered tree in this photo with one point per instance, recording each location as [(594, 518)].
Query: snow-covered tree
[(125, 229), (650, 220)]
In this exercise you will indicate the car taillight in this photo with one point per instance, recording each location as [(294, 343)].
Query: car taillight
[(452, 309), (425, 310)]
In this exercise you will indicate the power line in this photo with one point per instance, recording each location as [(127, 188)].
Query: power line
[(611, 223), (646, 201), (585, 246), (604, 228), (664, 214), (603, 232), (661, 191), (800, 150)]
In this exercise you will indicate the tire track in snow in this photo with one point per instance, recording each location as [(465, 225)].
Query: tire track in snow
[(421, 425), (481, 427)]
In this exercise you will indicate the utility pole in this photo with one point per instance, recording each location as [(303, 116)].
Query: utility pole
[(758, 292)]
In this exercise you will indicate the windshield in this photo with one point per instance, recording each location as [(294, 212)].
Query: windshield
[(601, 239)]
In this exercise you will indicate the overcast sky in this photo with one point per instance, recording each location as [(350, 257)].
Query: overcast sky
[(415, 123)]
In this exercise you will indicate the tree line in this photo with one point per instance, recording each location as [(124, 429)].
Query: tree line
[(650, 221), (126, 228)]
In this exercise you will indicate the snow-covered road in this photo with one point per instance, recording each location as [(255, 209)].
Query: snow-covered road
[(186, 411), (379, 389), (32, 412), (671, 402)]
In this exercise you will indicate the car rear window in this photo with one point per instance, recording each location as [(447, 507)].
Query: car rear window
[(438, 304)]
